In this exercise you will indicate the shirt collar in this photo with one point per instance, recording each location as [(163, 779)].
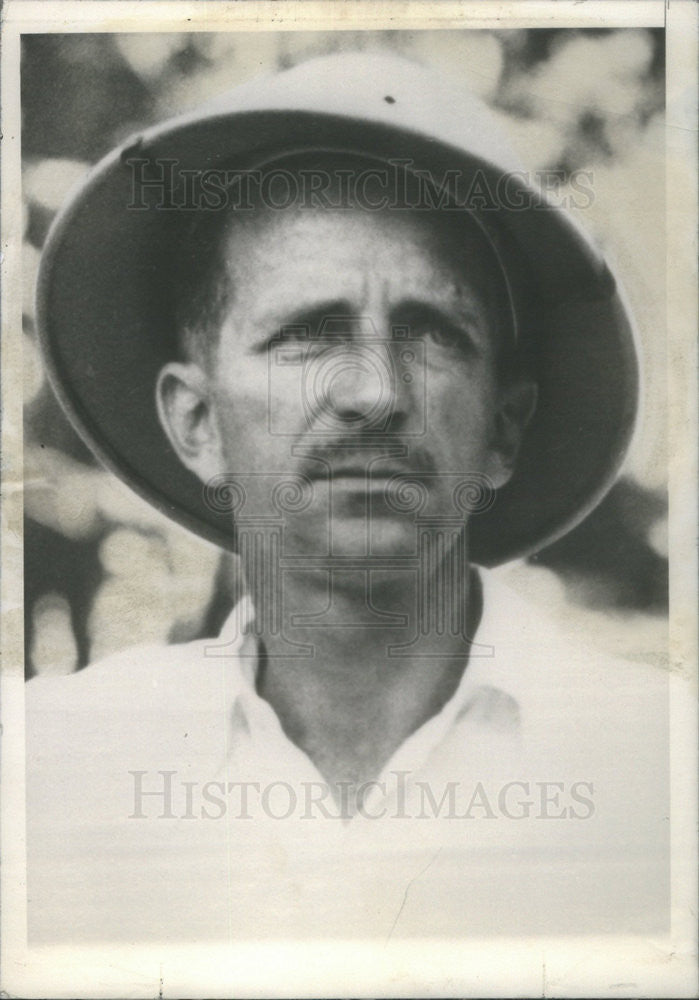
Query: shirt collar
[(496, 668)]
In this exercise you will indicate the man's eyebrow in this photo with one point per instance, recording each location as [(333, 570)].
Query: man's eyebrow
[(455, 313), (314, 314), (310, 314)]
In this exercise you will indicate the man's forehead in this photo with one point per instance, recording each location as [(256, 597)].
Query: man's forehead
[(352, 254)]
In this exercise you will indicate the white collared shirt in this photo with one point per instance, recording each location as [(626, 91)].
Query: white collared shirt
[(166, 801)]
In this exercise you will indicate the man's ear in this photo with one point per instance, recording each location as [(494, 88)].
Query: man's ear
[(186, 414), (517, 405)]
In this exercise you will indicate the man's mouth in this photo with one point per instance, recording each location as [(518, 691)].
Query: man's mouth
[(368, 471), (366, 476), (356, 474), (366, 481)]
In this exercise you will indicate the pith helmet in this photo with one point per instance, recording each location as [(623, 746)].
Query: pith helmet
[(102, 285)]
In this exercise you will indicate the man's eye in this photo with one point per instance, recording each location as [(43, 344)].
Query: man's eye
[(444, 335), (293, 334), (323, 335), (289, 336), (299, 344)]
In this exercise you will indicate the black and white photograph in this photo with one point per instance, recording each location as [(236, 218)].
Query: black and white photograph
[(349, 485)]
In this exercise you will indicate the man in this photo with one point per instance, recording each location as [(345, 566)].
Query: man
[(377, 361)]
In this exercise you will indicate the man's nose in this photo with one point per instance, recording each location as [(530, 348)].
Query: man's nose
[(358, 386)]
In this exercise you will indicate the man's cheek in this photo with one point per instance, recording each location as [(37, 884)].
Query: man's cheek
[(457, 420), (239, 405)]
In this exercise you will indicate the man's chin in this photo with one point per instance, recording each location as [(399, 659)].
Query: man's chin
[(375, 538), (347, 536)]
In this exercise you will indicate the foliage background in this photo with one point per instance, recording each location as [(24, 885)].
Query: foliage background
[(103, 570)]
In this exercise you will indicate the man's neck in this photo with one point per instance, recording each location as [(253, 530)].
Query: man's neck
[(374, 675)]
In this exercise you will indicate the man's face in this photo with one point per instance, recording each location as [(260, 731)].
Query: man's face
[(357, 349)]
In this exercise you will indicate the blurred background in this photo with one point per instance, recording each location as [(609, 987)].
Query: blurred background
[(102, 569)]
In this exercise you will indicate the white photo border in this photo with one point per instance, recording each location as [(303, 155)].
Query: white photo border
[(601, 966)]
